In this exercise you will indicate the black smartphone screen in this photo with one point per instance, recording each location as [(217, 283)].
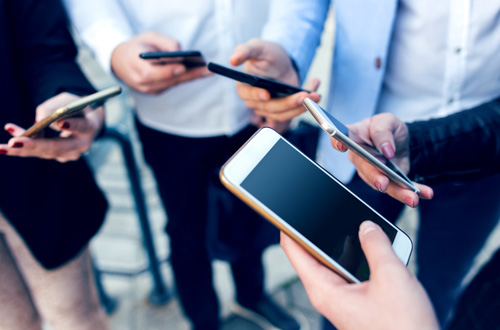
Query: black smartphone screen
[(315, 205)]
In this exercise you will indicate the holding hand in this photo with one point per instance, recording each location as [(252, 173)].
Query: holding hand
[(390, 136), (75, 138), (147, 76), (270, 60), (391, 299)]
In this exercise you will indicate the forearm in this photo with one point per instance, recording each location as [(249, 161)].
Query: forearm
[(297, 25), (459, 147)]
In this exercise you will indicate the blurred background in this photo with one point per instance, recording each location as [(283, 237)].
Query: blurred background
[(120, 248)]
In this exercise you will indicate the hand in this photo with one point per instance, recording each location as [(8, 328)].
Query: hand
[(270, 60), (390, 136), (391, 299), (149, 76), (75, 138)]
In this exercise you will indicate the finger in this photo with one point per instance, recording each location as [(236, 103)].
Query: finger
[(249, 93), (307, 267), (378, 180), (426, 192), (253, 49), (377, 248), (383, 128), (88, 123), (337, 145), (158, 86), (14, 130), (191, 75), (53, 148), (283, 104), (313, 85), (374, 177), (49, 106)]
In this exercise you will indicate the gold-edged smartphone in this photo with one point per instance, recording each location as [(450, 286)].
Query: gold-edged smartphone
[(72, 108), (306, 202), (341, 133)]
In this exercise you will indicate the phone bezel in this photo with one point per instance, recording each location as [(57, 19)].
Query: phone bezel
[(188, 58), (321, 116), (242, 163), (275, 88)]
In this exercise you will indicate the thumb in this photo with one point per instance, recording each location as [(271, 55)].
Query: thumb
[(376, 246), (382, 131), (250, 50)]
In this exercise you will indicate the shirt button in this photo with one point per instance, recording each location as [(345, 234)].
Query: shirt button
[(378, 63), (458, 50)]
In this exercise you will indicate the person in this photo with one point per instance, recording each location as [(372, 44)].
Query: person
[(462, 146), (189, 122), (50, 206), (381, 63)]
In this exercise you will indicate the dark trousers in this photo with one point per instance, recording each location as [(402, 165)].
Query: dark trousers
[(183, 167), (479, 306), (453, 228)]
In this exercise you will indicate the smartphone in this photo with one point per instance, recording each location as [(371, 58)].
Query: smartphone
[(275, 88), (364, 149), (71, 109), (189, 58), (303, 200)]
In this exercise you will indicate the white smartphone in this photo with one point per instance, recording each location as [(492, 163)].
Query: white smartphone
[(306, 202), (365, 149)]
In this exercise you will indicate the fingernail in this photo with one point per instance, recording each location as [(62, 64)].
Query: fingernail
[(3, 151), (10, 130), (408, 201), (65, 125), (387, 150), (300, 100), (366, 227), (377, 185), (18, 145)]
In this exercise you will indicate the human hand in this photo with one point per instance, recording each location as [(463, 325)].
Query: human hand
[(75, 137), (267, 59), (391, 299), (390, 136), (150, 76)]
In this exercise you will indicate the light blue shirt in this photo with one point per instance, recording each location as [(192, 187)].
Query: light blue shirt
[(362, 35), (412, 58)]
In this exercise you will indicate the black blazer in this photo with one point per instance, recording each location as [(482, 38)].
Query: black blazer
[(55, 207)]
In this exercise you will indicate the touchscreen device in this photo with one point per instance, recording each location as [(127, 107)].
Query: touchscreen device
[(95, 100), (275, 88), (188, 58), (365, 149), (306, 202)]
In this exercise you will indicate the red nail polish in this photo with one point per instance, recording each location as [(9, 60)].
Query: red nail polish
[(18, 145), (10, 130), (3, 151), (65, 125)]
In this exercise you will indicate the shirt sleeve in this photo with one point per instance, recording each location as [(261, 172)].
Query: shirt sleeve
[(297, 25), (101, 25), (463, 146), (44, 51)]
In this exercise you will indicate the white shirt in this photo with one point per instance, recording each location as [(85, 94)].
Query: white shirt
[(444, 57), (201, 108)]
